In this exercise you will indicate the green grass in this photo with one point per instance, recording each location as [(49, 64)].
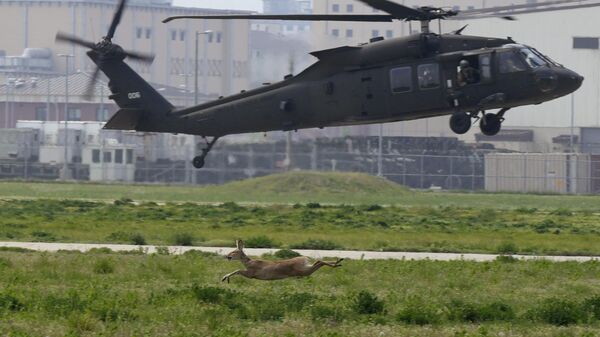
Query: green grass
[(367, 227), (297, 187), (74, 294)]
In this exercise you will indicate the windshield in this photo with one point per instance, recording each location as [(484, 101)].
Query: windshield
[(532, 59)]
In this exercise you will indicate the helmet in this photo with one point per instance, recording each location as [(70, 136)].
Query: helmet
[(464, 63)]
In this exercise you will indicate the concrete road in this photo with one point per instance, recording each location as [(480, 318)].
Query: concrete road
[(317, 254)]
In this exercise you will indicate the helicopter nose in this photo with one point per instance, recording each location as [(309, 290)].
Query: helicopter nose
[(569, 81)]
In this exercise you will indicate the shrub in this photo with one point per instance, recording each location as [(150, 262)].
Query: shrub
[(372, 208), (137, 239), (261, 241), (316, 244), (5, 263), (101, 250), (496, 311), (209, 294), (461, 311), (559, 312), (322, 312), (592, 306), (562, 212), (11, 303), (297, 301), (366, 303), (507, 248), (313, 205), (162, 250), (418, 313), (43, 236), (123, 201), (183, 239), (104, 266), (506, 259), (281, 254)]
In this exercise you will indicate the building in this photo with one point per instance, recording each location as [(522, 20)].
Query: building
[(223, 53), (287, 28)]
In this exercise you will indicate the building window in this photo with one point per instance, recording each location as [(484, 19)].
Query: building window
[(74, 114), (148, 33), (335, 32), (349, 8), (389, 34), (374, 33), (210, 37), (119, 156), (129, 156), (586, 43), (335, 8), (173, 35), (95, 156), (138, 32), (107, 158), (219, 37), (428, 76), (349, 33), (102, 114), (41, 114), (182, 35), (401, 79)]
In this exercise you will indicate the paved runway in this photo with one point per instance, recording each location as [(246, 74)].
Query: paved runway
[(349, 254)]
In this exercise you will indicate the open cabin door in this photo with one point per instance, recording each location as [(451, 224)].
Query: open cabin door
[(467, 86)]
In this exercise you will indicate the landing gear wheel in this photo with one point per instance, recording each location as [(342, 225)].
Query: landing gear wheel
[(198, 162), (460, 122), (490, 124)]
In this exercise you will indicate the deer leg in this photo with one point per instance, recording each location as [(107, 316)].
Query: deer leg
[(237, 272), (333, 264)]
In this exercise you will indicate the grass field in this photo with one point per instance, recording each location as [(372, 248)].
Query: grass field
[(297, 187), (311, 226), (99, 294)]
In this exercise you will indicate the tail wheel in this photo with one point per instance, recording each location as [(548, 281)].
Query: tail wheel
[(460, 122), (198, 162), (490, 124)]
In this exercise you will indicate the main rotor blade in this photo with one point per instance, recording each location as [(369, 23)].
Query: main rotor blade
[(509, 15), (396, 10), (515, 7), (291, 17), (63, 37), (116, 19), (89, 90), (148, 58)]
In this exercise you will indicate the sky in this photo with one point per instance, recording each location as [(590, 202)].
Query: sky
[(253, 5)]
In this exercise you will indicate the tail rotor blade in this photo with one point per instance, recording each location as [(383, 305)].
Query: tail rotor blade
[(63, 37), (89, 90), (116, 19)]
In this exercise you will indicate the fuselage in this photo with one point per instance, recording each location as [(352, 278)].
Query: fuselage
[(384, 81)]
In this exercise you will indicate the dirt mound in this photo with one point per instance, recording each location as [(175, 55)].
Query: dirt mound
[(318, 183)]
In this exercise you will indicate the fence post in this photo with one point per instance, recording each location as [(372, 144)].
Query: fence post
[(451, 172), (422, 178)]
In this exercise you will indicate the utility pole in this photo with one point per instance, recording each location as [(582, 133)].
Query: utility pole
[(196, 65), (65, 174)]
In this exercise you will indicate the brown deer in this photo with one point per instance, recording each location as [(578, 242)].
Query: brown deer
[(274, 270)]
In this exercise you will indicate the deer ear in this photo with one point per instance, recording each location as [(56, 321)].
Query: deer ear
[(239, 244)]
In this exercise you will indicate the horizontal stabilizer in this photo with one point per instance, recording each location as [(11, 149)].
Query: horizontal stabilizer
[(124, 119)]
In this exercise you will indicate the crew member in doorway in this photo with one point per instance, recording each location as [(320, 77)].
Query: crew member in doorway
[(467, 74)]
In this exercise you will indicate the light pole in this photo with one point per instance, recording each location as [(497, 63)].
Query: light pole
[(65, 174), (196, 65)]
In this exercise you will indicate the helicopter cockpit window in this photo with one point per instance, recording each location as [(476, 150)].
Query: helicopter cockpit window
[(509, 62), (532, 59), (429, 76), (401, 79)]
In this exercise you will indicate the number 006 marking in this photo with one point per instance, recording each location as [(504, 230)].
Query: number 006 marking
[(134, 95)]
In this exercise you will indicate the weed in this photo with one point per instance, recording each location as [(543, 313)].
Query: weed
[(123, 202), (418, 312), (507, 248), (286, 254), (261, 241), (11, 303), (183, 239), (316, 244), (592, 306), (559, 311), (313, 205), (137, 239), (562, 212), (373, 208), (366, 303), (104, 266), (506, 259)]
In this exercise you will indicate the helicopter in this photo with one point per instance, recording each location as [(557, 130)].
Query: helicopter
[(386, 80)]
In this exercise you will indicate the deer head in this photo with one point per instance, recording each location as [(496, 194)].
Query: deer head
[(237, 254)]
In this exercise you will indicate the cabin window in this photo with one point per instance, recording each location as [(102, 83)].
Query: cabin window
[(401, 79), (429, 76), (509, 62), (485, 67)]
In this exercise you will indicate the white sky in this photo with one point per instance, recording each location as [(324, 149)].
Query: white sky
[(253, 5)]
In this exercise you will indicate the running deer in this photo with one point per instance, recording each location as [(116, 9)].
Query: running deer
[(274, 270)]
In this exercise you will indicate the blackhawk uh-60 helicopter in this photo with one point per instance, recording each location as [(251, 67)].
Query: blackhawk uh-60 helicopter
[(417, 76)]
